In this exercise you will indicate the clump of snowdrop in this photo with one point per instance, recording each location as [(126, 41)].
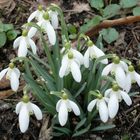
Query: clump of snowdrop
[(64, 106), (115, 95), (117, 68), (71, 62), (93, 52), (46, 27), (131, 77), (25, 108), (23, 43), (12, 73), (101, 104)]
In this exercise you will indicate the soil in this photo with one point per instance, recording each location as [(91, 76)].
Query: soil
[(127, 46)]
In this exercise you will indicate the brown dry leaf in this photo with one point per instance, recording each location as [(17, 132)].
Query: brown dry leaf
[(7, 5), (48, 2), (45, 132), (80, 7)]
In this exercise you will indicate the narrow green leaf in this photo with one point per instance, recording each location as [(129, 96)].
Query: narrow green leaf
[(136, 11), (98, 4), (2, 39), (90, 24), (81, 123), (63, 130), (128, 3), (7, 27), (103, 127), (80, 132)]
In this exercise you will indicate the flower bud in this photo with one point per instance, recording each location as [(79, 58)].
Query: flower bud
[(64, 96), (89, 43), (11, 65), (116, 60), (24, 33), (25, 99), (40, 8), (115, 87), (46, 16), (70, 55), (131, 68)]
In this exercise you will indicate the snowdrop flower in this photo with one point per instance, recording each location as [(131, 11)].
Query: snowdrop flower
[(71, 62), (93, 52), (13, 74), (64, 106), (38, 14), (131, 77), (25, 108), (46, 26), (24, 42), (101, 104), (117, 68), (54, 18), (115, 95)]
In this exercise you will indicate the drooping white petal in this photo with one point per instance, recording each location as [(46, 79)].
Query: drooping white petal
[(124, 66), (127, 86), (18, 107), (120, 77), (86, 58), (100, 53), (17, 72), (22, 51), (107, 69), (91, 105), (32, 16), (50, 32), (137, 78), (58, 105), (36, 111), (63, 114), (78, 56), (3, 72), (64, 66), (23, 119), (32, 32), (107, 92), (16, 42), (113, 105), (75, 70), (75, 108), (126, 98), (54, 19), (14, 81), (33, 46), (103, 111)]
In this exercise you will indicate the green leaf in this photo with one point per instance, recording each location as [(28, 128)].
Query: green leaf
[(90, 24), (63, 130), (103, 127), (2, 39), (109, 35), (98, 4), (41, 95), (72, 36), (11, 35), (78, 133), (81, 123), (111, 10), (7, 27), (136, 11), (128, 3)]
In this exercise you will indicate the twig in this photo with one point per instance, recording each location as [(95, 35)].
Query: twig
[(110, 23)]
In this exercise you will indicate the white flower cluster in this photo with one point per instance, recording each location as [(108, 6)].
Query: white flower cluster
[(48, 21)]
